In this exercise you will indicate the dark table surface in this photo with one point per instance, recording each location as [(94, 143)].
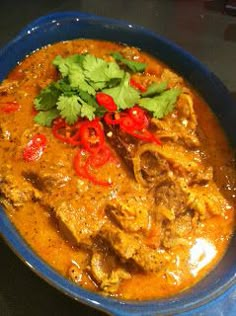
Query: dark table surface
[(201, 27)]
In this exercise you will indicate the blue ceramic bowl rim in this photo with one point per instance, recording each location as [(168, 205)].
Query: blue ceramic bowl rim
[(26, 254)]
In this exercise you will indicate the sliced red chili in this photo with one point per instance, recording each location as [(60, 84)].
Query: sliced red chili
[(134, 122), (35, 147), (9, 107), (58, 130), (106, 101), (137, 85), (79, 162), (66, 133), (101, 157), (145, 135), (34, 111), (91, 135), (82, 168), (110, 118), (127, 124), (139, 116)]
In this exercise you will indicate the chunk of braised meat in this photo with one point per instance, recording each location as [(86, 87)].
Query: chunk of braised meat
[(176, 232), (174, 160), (170, 198), (77, 223), (124, 144), (206, 200), (129, 215), (154, 161), (46, 180), (153, 168), (126, 147), (17, 190), (131, 249), (107, 273)]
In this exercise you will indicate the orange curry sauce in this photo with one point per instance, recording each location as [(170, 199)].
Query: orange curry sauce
[(40, 229)]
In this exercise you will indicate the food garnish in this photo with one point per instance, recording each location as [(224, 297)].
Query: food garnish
[(9, 107), (35, 147), (134, 66), (83, 77), (91, 90), (137, 85), (166, 102), (106, 100), (84, 162)]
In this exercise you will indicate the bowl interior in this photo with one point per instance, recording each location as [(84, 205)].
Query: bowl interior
[(64, 26)]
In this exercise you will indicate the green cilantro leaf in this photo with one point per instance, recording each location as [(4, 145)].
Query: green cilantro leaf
[(64, 86), (113, 71), (100, 72), (64, 64), (155, 88), (94, 68), (88, 98), (77, 79), (87, 110), (117, 56), (134, 66), (47, 98), (98, 85), (91, 101), (45, 118), (162, 104), (71, 68), (124, 95), (69, 108)]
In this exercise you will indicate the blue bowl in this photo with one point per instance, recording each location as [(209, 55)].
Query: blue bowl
[(70, 25)]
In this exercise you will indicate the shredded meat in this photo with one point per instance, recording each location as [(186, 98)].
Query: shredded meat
[(130, 216), (170, 199), (206, 200)]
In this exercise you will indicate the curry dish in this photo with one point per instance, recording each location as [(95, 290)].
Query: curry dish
[(114, 170)]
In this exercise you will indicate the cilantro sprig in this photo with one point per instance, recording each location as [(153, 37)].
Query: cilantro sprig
[(123, 94), (82, 76), (73, 95), (161, 104), (134, 66)]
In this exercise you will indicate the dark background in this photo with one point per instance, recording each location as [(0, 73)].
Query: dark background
[(201, 27)]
